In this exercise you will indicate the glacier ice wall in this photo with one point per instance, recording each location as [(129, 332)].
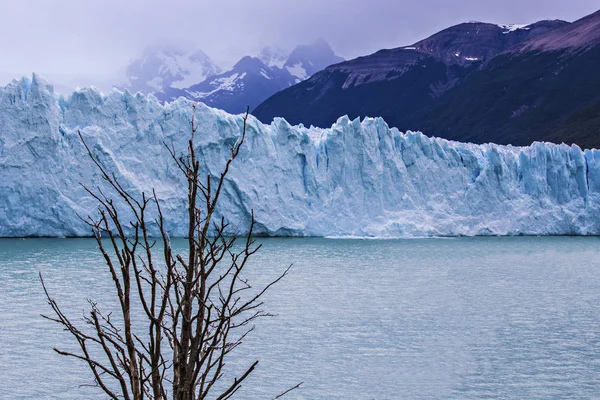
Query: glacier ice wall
[(354, 179)]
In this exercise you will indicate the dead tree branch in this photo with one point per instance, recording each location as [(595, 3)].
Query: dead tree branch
[(197, 307)]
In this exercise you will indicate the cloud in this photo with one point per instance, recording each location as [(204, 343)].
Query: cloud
[(100, 36)]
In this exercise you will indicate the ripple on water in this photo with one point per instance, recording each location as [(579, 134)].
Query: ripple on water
[(509, 318)]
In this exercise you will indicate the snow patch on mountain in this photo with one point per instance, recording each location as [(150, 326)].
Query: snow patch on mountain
[(273, 56), (357, 178), (513, 27), (163, 68), (297, 71), (306, 60), (265, 74), (226, 83), (198, 67)]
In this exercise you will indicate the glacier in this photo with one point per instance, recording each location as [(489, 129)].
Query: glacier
[(357, 178)]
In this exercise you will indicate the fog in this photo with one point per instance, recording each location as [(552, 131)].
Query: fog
[(74, 38)]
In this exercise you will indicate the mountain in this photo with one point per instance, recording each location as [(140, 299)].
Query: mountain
[(353, 179), (546, 88), (273, 56), (247, 84), (398, 81), (306, 60), (254, 79), (163, 68), (474, 82), (583, 34), (478, 42)]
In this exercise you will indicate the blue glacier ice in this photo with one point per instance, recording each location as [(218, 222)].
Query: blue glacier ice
[(358, 178)]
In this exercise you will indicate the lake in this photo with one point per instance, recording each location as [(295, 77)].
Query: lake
[(487, 317)]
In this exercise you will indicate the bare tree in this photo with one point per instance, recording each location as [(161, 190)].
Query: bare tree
[(197, 307)]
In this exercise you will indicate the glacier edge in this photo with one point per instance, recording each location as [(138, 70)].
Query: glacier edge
[(357, 178)]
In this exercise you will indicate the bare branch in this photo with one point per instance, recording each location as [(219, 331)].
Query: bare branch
[(280, 395), (198, 302)]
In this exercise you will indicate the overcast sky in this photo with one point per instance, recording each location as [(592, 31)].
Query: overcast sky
[(100, 36)]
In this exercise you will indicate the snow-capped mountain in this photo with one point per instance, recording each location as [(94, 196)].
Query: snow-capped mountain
[(162, 68), (247, 84), (306, 60), (273, 56), (358, 178), (476, 42), (254, 79)]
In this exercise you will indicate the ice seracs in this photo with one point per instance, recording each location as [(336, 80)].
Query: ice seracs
[(357, 178)]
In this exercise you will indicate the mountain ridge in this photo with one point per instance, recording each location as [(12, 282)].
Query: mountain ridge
[(253, 79), (160, 68), (403, 85)]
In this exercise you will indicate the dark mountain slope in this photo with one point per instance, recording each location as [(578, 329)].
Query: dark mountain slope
[(583, 33), (402, 81), (546, 89), (336, 92), (464, 42)]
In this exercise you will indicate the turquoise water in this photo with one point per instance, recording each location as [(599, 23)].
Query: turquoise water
[(512, 318)]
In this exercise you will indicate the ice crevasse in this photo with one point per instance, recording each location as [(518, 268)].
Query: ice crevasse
[(357, 178)]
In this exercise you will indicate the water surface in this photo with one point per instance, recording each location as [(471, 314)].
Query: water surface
[(462, 318)]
